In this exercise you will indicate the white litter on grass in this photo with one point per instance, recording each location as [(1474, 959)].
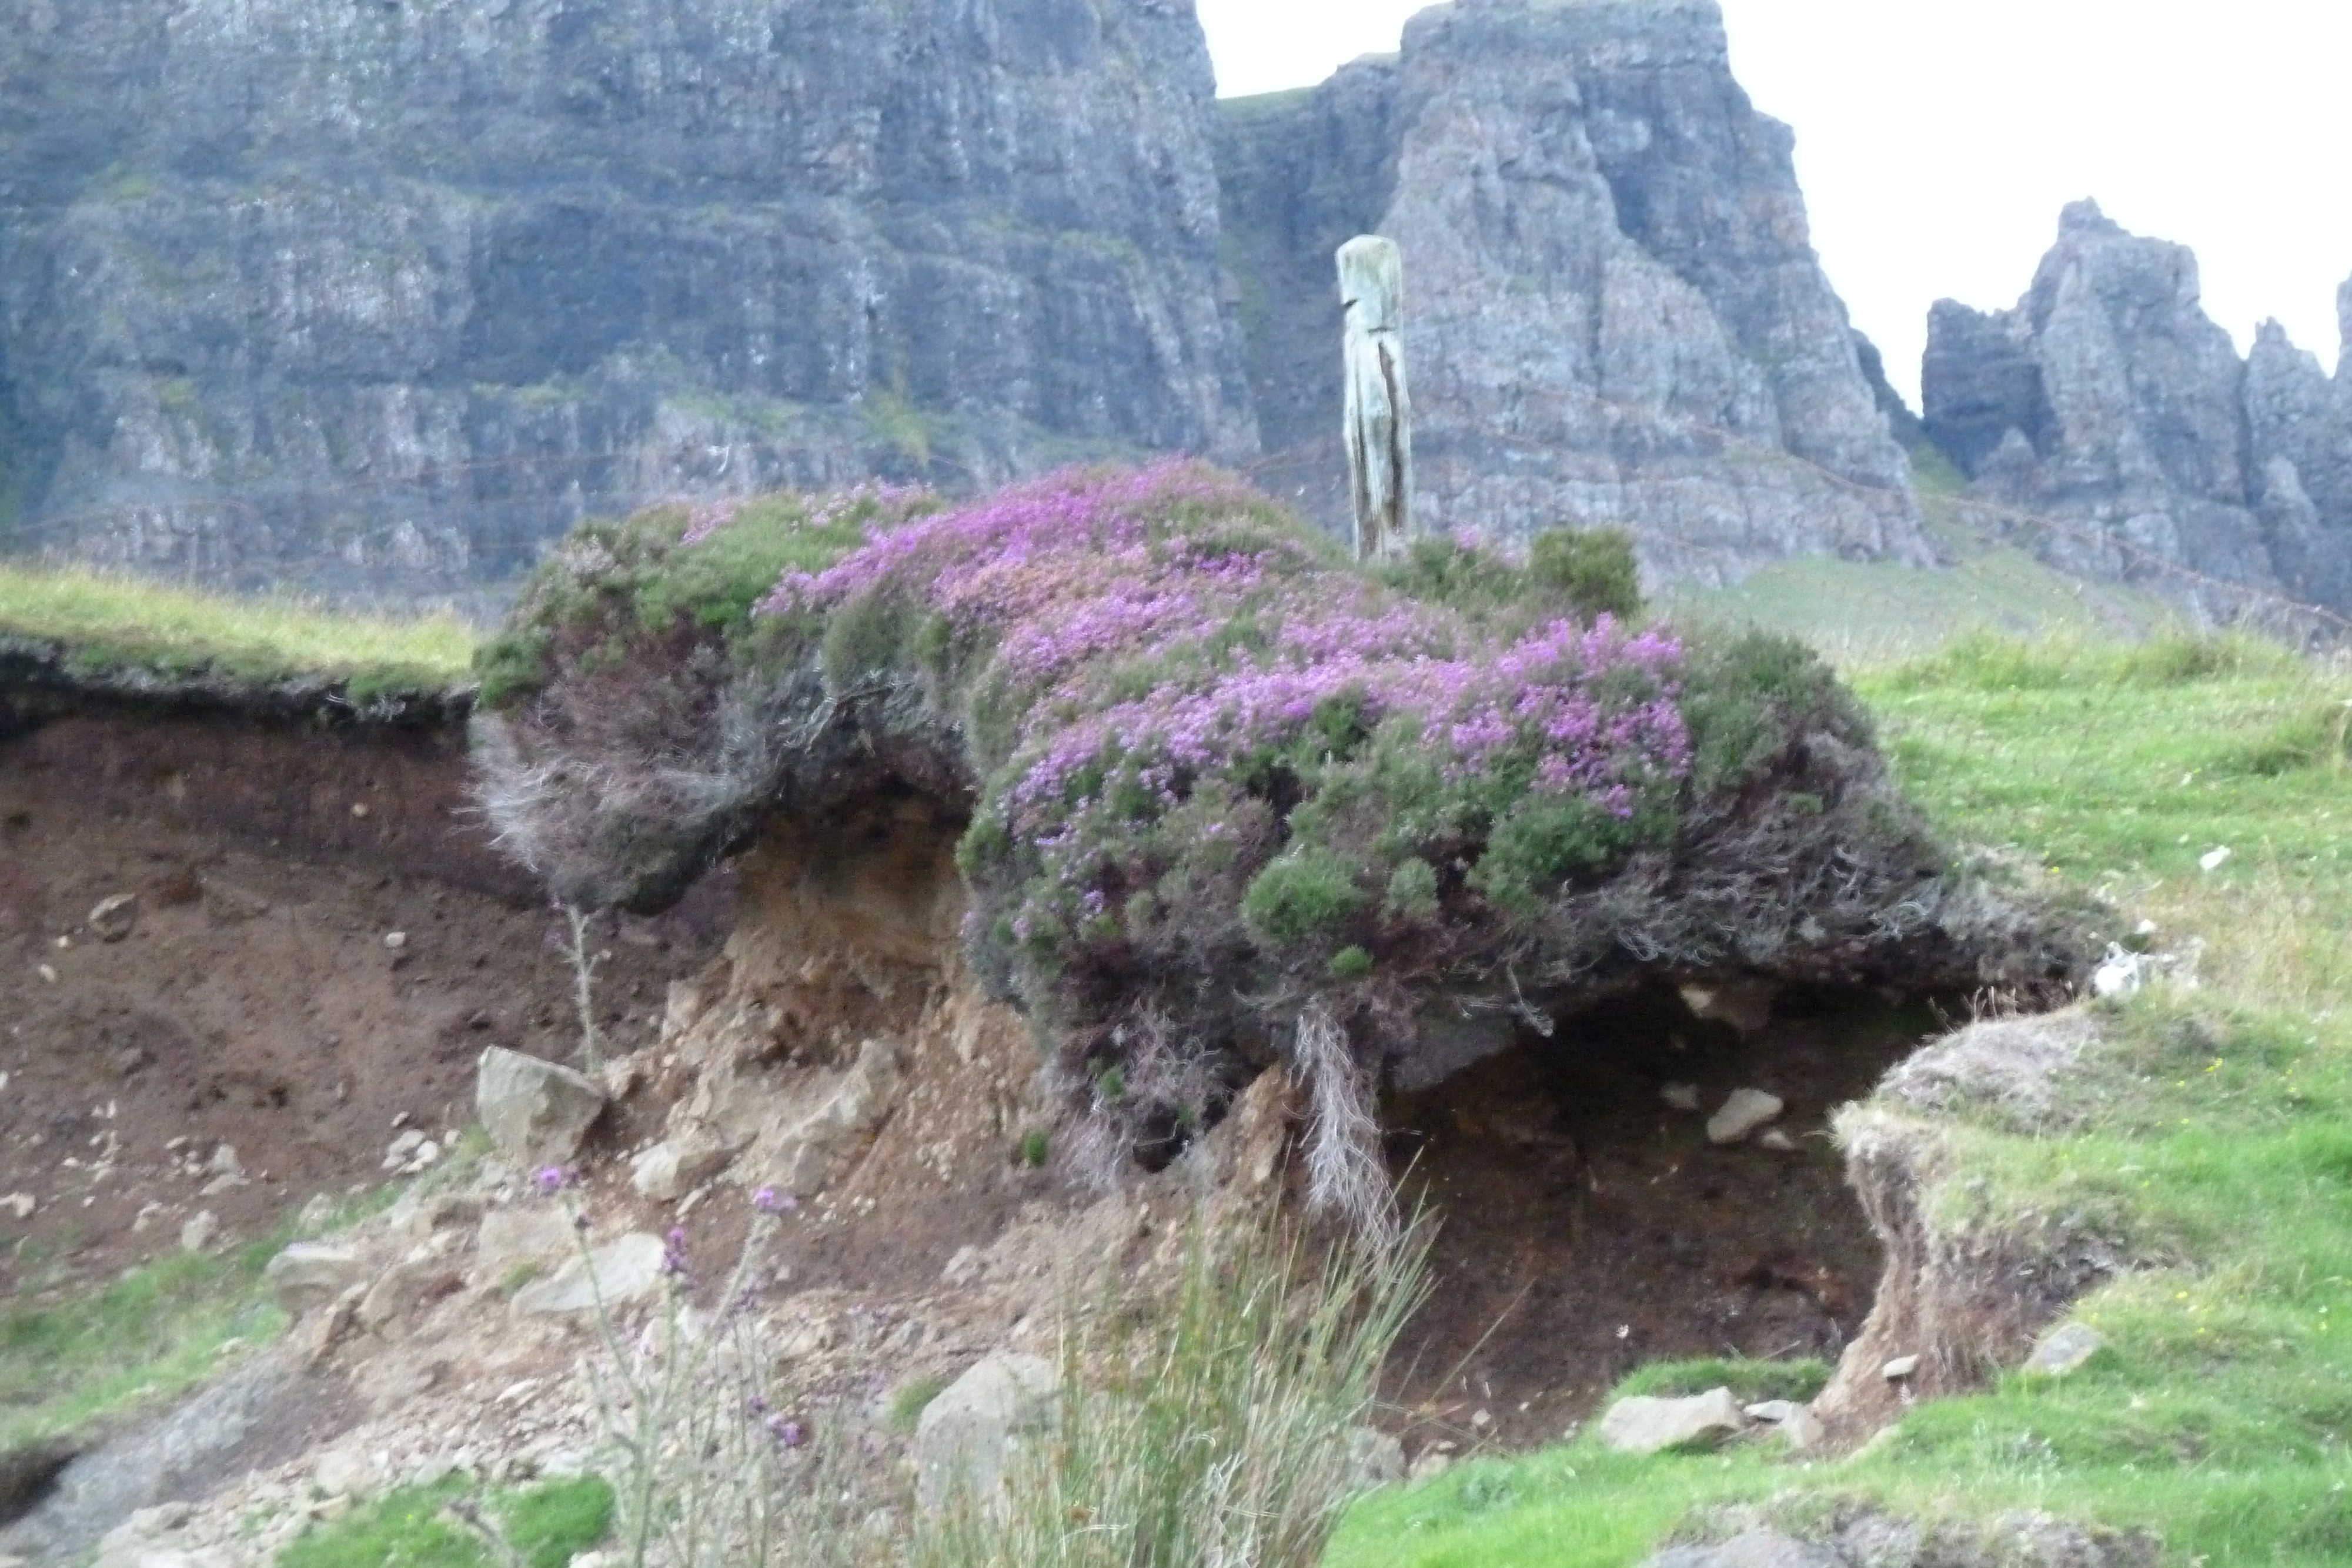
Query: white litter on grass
[(2214, 859)]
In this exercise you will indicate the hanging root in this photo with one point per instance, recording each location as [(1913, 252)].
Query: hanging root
[(1345, 1171)]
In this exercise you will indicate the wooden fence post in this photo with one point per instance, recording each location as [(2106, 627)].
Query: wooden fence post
[(1380, 410)]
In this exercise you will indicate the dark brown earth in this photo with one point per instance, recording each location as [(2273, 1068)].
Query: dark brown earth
[(255, 1003), (1587, 1227)]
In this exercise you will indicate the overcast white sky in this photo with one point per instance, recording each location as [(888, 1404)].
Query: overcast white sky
[(1937, 139)]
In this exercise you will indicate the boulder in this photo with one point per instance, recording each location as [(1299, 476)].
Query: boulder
[(1643, 1425), (804, 1147), (1742, 1113), (626, 1269), (969, 1434), (535, 1111), (311, 1273)]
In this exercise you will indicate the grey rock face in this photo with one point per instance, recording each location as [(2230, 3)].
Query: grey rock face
[(383, 296), (2108, 402), (1613, 311)]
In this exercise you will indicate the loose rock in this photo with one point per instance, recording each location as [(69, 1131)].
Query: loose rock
[(199, 1232), (1680, 1096), (1643, 1425), (115, 918), (535, 1111), (1901, 1367), (310, 1274), (2065, 1349), (969, 1434), (1742, 1113), (624, 1271)]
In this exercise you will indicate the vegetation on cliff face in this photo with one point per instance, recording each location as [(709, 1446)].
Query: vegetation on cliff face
[(1220, 780)]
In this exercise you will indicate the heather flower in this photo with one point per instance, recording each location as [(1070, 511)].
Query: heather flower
[(768, 1200), (785, 1432), (548, 1180), (673, 1262)]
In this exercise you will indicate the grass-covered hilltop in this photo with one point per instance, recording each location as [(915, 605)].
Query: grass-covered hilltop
[(1230, 797)]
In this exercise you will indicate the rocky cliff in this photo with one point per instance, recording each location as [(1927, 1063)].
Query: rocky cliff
[(382, 295), (1614, 313), (2107, 402)]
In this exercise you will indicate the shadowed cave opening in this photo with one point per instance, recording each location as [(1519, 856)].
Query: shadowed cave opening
[(1587, 1226)]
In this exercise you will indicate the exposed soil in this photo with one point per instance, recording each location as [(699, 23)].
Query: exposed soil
[(255, 1003), (1587, 1226)]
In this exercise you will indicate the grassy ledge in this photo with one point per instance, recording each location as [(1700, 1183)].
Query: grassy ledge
[(2209, 1139), (75, 626)]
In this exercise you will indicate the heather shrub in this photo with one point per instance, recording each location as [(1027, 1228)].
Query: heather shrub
[(1222, 781), (1592, 569)]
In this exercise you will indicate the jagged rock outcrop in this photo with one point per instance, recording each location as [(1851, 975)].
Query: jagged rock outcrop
[(1614, 313), (2109, 403), (381, 296)]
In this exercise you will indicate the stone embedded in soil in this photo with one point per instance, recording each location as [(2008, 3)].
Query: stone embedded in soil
[(1680, 1096), (199, 1232), (969, 1434), (535, 1111), (311, 1273), (1899, 1369), (1643, 1425), (1744, 1005), (2065, 1349), (511, 1239), (627, 1270), (1779, 1141), (670, 1169), (115, 917), (1742, 1113)]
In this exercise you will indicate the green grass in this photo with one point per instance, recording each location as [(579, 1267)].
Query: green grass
[(2211, 1138), (109, 623), (412, 1528), (158, 1331)]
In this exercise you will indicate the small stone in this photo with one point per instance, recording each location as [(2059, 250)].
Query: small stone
[(535, 1111), (2214, 859), (670, 1169), (115, 918), (1773, 1410), (1643, 1425), (311, 1273), (2065, 1349), (1430, 1464), (46, 974), (20, 1204), (1774, 1139), (1680, 1096), (395, 940), (1901, 1367), (360, 810), (1742, 1113), (199, 1232), (970, 1433), (1480, 1420)]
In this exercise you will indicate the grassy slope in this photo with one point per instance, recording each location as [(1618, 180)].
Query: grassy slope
[(2217, 1138), (108, 625)]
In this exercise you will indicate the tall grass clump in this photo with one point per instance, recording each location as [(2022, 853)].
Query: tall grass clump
[(1227, 1426)]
